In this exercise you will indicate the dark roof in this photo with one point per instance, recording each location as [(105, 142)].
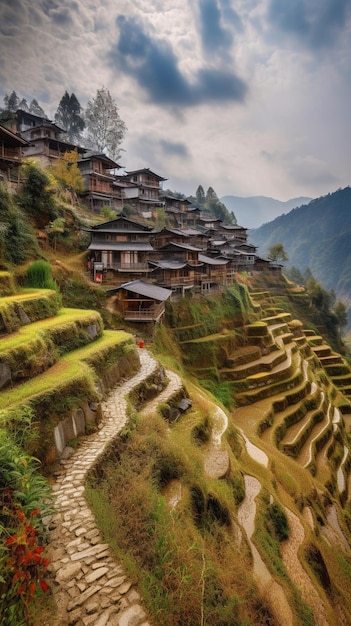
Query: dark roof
[(169, 264), (145, 289), (233, 227), (113, 226), (208, 260), (11, 138), (147, 171), (180, 246), (120, 246), (101, 157)]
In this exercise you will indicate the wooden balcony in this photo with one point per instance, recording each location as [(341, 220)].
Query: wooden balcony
[(10, 154), (136, 311)]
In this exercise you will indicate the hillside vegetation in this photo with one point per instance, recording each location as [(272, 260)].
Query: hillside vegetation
[(315, 236), (238, 512)]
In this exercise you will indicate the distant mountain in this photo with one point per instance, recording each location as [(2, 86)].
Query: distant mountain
[(253, 211), (318, 236)]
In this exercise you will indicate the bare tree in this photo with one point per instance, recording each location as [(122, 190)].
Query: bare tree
[(104, 126)]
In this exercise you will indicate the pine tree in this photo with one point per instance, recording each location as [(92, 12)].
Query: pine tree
[(200, 196), (23, 105), (68, 116), (36, 109), (11, 102)]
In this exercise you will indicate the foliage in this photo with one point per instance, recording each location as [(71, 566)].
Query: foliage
[(277, 253), (107, 213), (54, 229), (341, 313), (104, 126), (25, 499), (39, 275), (36, 196), (213, 205), (315, 236), (200, 196), (17, 238), (36, 109), (67, 173), (11, 102), (68, 116)]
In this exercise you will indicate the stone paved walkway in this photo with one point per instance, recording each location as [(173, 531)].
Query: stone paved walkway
[(91, 588)]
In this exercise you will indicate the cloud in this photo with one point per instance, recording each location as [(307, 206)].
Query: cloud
[(174, 148), (216, 39), (316, 23), (153, 64)]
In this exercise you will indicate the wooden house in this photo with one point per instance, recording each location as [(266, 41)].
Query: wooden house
[(183, 236), (174, 266), (176, 209), (45, 143), (121, 247), (11, 148), (140, 301), (142, 192), (214, 273), (100, 186)]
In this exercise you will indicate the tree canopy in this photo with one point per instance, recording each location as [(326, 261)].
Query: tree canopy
[(277, 253), (68, 116), (210, 202), (104, 127)]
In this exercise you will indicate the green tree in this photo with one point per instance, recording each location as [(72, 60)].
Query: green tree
[(17, 238), (340, 311), (294, 274), (36, 109), (200, 196), (107, 213), (23, 105), (11, 101), (277, 253), (54, 229), (67, 173), (68, 116), (36, 197), (217, 208), (104, 126)]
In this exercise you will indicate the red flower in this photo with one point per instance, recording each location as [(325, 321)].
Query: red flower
[(11, 540), (43, 585), (35, 512)]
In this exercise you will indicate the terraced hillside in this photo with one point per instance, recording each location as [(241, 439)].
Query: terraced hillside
[(290, 390), (289, 415), (56, 363)]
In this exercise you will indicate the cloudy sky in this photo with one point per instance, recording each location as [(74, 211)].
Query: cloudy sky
[(251, 97)]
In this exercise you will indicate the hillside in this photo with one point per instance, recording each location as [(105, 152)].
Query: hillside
[(233, 509), (241, 505), (253, 211), (317, 236)]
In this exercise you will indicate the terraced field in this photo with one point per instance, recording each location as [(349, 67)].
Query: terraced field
[(57, 363), (298, 391)]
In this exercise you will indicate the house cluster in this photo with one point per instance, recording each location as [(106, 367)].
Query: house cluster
[(23, 134), (144, 266)]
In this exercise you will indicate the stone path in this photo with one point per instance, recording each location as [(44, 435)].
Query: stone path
[(91, 588)]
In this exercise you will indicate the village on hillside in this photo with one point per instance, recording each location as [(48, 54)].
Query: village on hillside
[(141, 264)]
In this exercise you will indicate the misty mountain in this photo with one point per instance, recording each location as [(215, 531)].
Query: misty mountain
[(316, 235), (253, 211)]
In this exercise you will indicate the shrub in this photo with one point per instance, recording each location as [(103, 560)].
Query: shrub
[(25, 499), (39, 275), (17, 239)]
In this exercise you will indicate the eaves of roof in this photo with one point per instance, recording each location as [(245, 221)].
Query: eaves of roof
[(118, 246)]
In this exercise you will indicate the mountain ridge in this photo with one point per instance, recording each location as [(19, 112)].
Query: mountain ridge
[(253, 211), (315, 236)]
